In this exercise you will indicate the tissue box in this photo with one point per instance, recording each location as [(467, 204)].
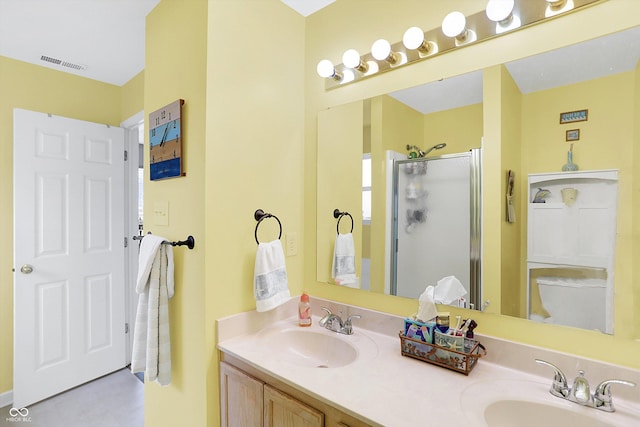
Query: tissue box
[(419, 330)]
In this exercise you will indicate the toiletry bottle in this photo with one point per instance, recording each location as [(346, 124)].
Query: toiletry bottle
[(442, 322), (304, 311), (472, 325)]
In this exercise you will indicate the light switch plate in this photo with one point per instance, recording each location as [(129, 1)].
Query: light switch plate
[(161, 212), (291, 241)]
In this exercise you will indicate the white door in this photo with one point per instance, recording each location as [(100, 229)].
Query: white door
[(69, 317)]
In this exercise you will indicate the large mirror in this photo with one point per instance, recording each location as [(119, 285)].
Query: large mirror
[(358, 142)]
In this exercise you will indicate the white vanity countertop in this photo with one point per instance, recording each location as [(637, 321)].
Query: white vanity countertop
[(385, 388)]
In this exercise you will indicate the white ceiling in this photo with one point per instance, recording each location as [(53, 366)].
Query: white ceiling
[(588, 60), (99, 39), (307, 7), (105, 36)]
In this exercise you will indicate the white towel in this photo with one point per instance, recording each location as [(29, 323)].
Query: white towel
[(155, 285), (343, 268), (270, 276)]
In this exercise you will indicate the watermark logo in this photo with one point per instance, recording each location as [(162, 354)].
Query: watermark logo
[(18, 415)]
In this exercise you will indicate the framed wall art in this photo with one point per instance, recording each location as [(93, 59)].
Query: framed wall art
[(165, 142), (573, 135), (574, 116)]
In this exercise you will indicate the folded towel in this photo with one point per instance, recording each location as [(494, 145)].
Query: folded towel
[(270, 276), (343, 269), (155, 285)]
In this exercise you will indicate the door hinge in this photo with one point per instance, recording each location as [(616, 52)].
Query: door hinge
[(126, 328), (126, 155), (126, 242)]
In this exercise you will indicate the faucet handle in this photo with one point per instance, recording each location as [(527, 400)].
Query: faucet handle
[(559, 387), (602, 395), (326, 317), (580, 389), (348, 328), (354, 316)]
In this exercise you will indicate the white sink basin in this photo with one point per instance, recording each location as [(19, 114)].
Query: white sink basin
[(312, 349), (509, 413), (508, 403), (315, 347)]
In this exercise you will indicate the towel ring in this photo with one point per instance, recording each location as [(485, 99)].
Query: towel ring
[(337, 214), (259, 215)]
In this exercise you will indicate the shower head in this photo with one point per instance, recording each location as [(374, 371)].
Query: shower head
[(424, 153), (435, 147), (417, 151)]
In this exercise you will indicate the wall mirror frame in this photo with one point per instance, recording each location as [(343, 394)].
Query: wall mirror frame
[(538, 89)]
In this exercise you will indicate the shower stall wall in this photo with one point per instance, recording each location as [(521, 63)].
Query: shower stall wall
[(436, 224)]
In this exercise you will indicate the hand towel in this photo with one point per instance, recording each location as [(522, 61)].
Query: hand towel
[(270, 276), (155, 285), (343, 269)]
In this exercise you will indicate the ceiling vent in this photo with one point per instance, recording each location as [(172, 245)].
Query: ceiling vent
[(63, 63)]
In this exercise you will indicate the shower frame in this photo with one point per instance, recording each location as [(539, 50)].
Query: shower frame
[(474, 296)]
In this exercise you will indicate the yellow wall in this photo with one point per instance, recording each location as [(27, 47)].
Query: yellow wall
[(510, 262), (36, 88), (176, 68), (492, 195), (132, 96), (329, 33), (460, 128), (343, 182), (254, 159)]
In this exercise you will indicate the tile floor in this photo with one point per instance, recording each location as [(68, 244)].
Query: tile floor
[(115, 400)]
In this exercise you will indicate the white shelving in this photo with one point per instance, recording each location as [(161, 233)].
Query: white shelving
[(578, 234)]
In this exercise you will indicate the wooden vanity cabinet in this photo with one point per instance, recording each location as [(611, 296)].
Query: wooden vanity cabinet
[(281, 409), (249, 397), (241, 398)]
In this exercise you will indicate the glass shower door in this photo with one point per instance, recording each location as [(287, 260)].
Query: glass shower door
[(436, 224)]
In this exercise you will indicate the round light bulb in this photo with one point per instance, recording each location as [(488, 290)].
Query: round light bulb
[(499, 10), (413, 38), (351, 58), (381, 49), (454, 24), (325, 68)]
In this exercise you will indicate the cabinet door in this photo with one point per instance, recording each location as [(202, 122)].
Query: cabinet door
[(241, 402), (281, 410)]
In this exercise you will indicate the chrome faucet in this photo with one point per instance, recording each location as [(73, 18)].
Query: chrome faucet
[(334, 323), (580, 393)]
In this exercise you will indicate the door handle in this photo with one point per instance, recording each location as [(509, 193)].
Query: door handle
[(26, 269)]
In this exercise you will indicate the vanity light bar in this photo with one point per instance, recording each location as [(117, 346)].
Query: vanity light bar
[(524, 13)]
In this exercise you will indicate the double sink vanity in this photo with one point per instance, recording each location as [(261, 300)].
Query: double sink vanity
[(273, 370)]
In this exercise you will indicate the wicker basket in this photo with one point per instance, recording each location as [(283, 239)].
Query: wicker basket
[(460, 361)]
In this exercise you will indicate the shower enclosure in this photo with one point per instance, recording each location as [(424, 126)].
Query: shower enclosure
[(436, 224)]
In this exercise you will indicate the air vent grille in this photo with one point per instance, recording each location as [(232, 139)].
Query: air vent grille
[(62, 63), (50, 59)]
